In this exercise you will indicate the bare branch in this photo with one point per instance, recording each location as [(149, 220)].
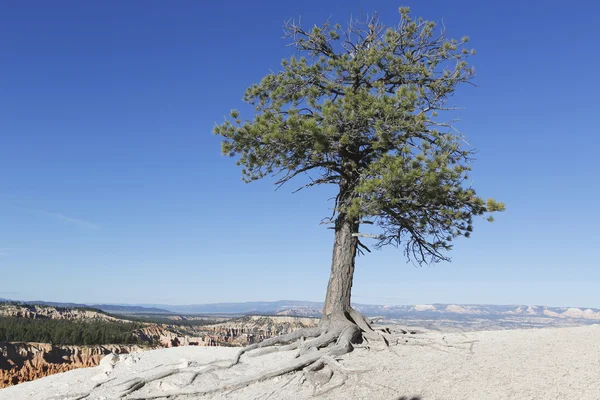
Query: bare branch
[(365, 235)]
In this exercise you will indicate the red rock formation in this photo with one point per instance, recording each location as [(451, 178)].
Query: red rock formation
[(22, 362)]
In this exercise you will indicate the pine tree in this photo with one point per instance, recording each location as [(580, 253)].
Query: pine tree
[(361, 108)]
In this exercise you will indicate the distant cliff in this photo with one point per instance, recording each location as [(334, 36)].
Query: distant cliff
[(20, 310), (313, 309)]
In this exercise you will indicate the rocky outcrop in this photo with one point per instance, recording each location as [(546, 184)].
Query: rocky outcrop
[(22, 362), (251, 329), (582, 314), (167, 336), (453, 308), (40, 311), (238, 332)]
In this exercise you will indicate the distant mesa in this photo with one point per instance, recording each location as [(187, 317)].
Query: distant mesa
[(578, 313), (453, 308), (425, 307)]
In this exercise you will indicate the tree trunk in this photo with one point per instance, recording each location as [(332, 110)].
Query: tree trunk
[(337, 301)]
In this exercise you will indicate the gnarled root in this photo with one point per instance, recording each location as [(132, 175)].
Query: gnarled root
[(321, 372), (317, 349), (343, 338), (137, 383), (278, 340)]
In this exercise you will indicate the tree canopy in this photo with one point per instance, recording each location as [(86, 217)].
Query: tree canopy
[(361, 107)]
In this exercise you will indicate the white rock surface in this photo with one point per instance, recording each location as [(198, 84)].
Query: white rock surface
[(109, 361), (542, 364)]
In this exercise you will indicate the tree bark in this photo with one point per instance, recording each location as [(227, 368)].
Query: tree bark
[(337, 301)]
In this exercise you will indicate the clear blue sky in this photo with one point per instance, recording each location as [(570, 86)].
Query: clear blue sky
[(113, 189)]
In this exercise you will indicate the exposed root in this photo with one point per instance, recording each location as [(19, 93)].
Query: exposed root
[(97, 385), (317, 349), (138, 383), (280, 387), (343, 337), (74, 396), (324, 340), (368, 332), (377, 337), (297, 365), (81, 396), (360, 320), (268, 350), (209, 370), (328, 365), (278, 340)]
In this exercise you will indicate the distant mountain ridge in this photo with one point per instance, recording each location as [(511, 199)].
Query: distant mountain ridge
[(288, 307), (481, 311), (114, 308), (313, 309), (125, 308)]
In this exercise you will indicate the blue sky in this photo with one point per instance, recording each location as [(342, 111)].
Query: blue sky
[(113, 189)]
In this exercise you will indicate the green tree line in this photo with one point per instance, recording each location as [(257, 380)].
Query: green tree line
[(66, 332)]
